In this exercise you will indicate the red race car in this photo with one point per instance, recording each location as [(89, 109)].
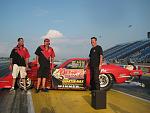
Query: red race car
[(72, 75)]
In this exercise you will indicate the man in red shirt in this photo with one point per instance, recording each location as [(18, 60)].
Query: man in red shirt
[(19, 59), (44, 56)]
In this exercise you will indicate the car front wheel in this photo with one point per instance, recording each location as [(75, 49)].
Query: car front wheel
[(106, 81), (29, 83)]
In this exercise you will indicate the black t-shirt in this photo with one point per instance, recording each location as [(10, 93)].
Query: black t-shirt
[(44, 59), (19, 55), (94, 55)]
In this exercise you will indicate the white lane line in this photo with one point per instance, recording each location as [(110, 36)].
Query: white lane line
[(132, 96), (29, 102)]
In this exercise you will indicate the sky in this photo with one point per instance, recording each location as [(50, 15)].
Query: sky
[(71, 23)]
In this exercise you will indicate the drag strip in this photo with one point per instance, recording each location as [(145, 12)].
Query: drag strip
[(14, 102), (60, 101), (30, 102), (132, 96), (134, 88)]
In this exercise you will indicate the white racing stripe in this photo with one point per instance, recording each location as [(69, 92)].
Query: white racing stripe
[(132, 96), (29, 102)]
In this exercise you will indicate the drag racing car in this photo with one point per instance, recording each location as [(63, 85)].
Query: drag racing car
[(72, 74)]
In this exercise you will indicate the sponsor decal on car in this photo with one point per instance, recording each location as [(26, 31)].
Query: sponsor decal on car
[(69, 73), (68, 81), (69, 78), (69, 86)]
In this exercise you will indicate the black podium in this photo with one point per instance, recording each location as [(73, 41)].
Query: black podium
[(98, 99)]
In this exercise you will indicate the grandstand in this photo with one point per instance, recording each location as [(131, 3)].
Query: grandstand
[(137, 52)]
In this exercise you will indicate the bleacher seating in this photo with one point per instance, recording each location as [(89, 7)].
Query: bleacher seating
[(138, 51)]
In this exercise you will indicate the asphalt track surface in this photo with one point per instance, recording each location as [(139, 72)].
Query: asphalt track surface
[(123, 98), (13, 102), (135, 88), (80, 102)]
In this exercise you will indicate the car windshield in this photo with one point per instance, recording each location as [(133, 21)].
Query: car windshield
[(58, 63)]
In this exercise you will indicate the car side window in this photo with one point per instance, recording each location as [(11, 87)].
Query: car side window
[(76, 64)]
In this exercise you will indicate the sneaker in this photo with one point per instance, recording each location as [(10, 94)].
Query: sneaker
[(37, 90), (12, 89), (45, 90)]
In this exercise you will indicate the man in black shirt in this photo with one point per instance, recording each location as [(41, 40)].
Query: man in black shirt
[(45, 57), (96, 56), (19, 59)]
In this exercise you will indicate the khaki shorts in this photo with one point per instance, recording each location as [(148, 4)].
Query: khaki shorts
[(17, 69)]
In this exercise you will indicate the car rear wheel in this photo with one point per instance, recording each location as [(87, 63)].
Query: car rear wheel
[(29, 83), (106, 81)]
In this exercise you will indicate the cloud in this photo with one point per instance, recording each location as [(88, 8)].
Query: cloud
[(53, 34), (68, 47)]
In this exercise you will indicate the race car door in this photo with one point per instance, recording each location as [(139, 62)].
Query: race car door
[(71, 76)]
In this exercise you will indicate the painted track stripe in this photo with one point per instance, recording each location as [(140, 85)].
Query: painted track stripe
[(30, 103), (131, 96)]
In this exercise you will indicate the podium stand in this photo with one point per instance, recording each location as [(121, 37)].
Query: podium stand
[(98, 99)]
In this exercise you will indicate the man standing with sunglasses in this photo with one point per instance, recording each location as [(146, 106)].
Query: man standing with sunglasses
[(44, 57)]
